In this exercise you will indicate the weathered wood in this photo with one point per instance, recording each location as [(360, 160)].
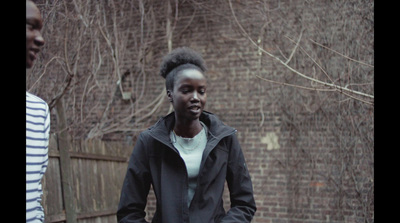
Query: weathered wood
[(65, 163), (91, 156), (55, 218), (97, 214), (98, 169), (94, 214), (52, 188)]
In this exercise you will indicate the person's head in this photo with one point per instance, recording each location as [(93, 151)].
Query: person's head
[(183, 70), (34, 39)]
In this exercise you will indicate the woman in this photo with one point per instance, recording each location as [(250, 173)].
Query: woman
[(187, 156)]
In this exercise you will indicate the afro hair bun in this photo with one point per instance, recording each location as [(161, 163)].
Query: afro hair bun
[(181, 56)]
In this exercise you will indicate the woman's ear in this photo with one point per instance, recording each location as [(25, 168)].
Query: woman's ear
[(169, 94)]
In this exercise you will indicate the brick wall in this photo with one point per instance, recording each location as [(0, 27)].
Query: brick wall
[(301, 148), (310, 153)]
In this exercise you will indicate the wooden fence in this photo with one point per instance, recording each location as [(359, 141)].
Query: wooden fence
[(83, 183)]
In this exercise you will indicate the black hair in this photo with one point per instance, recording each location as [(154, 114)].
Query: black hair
[(177, 60)]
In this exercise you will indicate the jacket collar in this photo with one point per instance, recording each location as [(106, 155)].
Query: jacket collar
[(216, 128)]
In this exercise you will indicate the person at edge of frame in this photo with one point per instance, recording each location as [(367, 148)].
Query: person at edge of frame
[(37, 122)]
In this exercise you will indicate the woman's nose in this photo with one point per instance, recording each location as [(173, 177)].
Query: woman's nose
[(195, 96)]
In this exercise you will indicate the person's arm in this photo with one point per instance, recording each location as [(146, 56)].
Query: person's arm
[(243, 205), (136, 186), (45, 161)]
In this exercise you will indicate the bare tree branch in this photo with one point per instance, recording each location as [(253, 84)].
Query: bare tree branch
[(337, 88), (357, 61)]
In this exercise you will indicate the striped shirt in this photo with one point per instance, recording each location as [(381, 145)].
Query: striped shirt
[(37, 140)]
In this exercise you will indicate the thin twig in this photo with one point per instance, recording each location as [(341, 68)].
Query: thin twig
[(295, 47), (44, 71), (357, 61)]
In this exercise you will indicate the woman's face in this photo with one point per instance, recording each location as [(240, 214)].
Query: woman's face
[(189, 94)]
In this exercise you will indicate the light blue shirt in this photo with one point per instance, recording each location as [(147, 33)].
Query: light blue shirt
[(191, 151)]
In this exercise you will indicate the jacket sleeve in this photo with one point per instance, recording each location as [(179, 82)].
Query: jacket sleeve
[(243, 205), (136, 186)]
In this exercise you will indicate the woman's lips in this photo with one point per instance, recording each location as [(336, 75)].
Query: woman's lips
[(195, 109)]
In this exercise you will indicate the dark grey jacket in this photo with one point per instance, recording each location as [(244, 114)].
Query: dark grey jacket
[(155, 161)]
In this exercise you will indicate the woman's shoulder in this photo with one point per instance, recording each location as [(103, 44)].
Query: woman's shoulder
[(158, 131), (215, 124)]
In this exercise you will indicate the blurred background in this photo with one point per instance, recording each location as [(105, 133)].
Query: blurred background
[(295, 78)]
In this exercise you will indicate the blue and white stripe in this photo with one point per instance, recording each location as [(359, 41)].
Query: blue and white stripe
[(37, 141)]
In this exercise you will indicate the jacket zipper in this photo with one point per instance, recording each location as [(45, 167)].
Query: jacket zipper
[(205, 157), (212, 137)]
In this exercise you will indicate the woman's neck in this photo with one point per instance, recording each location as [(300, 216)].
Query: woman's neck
[(188, 129)]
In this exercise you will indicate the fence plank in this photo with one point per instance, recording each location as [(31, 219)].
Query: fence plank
[(93, 214), (65, 163), (97, 169), (91, 156), (98, 157), (55, 218)]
